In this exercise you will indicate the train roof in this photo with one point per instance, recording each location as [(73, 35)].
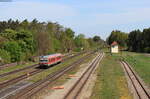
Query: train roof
[(51, 55)]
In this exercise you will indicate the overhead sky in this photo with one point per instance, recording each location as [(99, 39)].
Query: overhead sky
[(90, 17)]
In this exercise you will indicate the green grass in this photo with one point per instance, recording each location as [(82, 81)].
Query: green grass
[(111, 82), (140, 63)]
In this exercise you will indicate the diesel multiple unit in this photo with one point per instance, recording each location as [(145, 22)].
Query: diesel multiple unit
[(50, 59)]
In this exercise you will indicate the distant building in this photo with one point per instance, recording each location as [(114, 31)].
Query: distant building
[(114, 47)]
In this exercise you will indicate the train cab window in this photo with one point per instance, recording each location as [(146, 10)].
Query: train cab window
[(43, 60)]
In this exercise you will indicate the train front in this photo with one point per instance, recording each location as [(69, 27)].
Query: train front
[(43, 61)]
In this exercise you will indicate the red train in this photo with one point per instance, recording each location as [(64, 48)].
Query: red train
[(50, 59)]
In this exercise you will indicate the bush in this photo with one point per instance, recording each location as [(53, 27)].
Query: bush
[(14, 49), (5, 56), (77, 49)]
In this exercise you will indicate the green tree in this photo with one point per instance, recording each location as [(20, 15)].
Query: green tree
[(135, 41), (70, 33), (118, 36), (9, 34), (14, 49), (96, 38), (81, 42), (4, 56)]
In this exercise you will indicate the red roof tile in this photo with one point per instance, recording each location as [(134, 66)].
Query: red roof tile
[(114, 43)]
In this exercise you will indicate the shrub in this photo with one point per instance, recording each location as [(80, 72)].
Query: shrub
[(5, 56), (14, 49)]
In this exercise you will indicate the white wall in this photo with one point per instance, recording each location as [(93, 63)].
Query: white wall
[(114, 49)]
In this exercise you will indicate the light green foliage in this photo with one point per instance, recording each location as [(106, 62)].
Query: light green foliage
[(14, 49), (56, 45), (82, 42), (26, 39), (5, 56), (69, 33), (9, 34)]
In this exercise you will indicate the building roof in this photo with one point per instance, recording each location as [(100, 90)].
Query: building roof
[(114, 43)]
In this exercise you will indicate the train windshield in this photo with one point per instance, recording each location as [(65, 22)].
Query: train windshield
[(43, 60)]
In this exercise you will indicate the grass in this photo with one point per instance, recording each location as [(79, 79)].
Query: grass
[(111, 82), (140, 63)]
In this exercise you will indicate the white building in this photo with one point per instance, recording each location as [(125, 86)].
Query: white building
[(114, 47)]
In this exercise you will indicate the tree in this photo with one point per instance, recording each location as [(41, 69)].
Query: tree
[(14, 49), (135, 41), (4, 56), (118, 36), (146, 39), (70, 33), (81, 42), (36, 38), (96, 38), (139, 41), (9, 34), (43, 41)]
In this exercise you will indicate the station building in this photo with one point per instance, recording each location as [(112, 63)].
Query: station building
[(114, 47)]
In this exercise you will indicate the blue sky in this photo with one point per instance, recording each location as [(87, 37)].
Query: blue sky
[(90, 17)]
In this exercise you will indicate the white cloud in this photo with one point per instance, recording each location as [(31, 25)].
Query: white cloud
[(40, 10)]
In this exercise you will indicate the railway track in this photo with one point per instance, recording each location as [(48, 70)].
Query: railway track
[(7, 65), (138, 86), (36, 65), (14, 64), (31, 73), (37, 86), (75, 91), (24, 76), (19, 78), (18, 70)]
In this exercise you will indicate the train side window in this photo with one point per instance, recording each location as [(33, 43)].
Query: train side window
[(52, 59), (59, 57)]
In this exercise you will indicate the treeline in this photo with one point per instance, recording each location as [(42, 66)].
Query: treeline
[(19, 41), (137, 41)]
